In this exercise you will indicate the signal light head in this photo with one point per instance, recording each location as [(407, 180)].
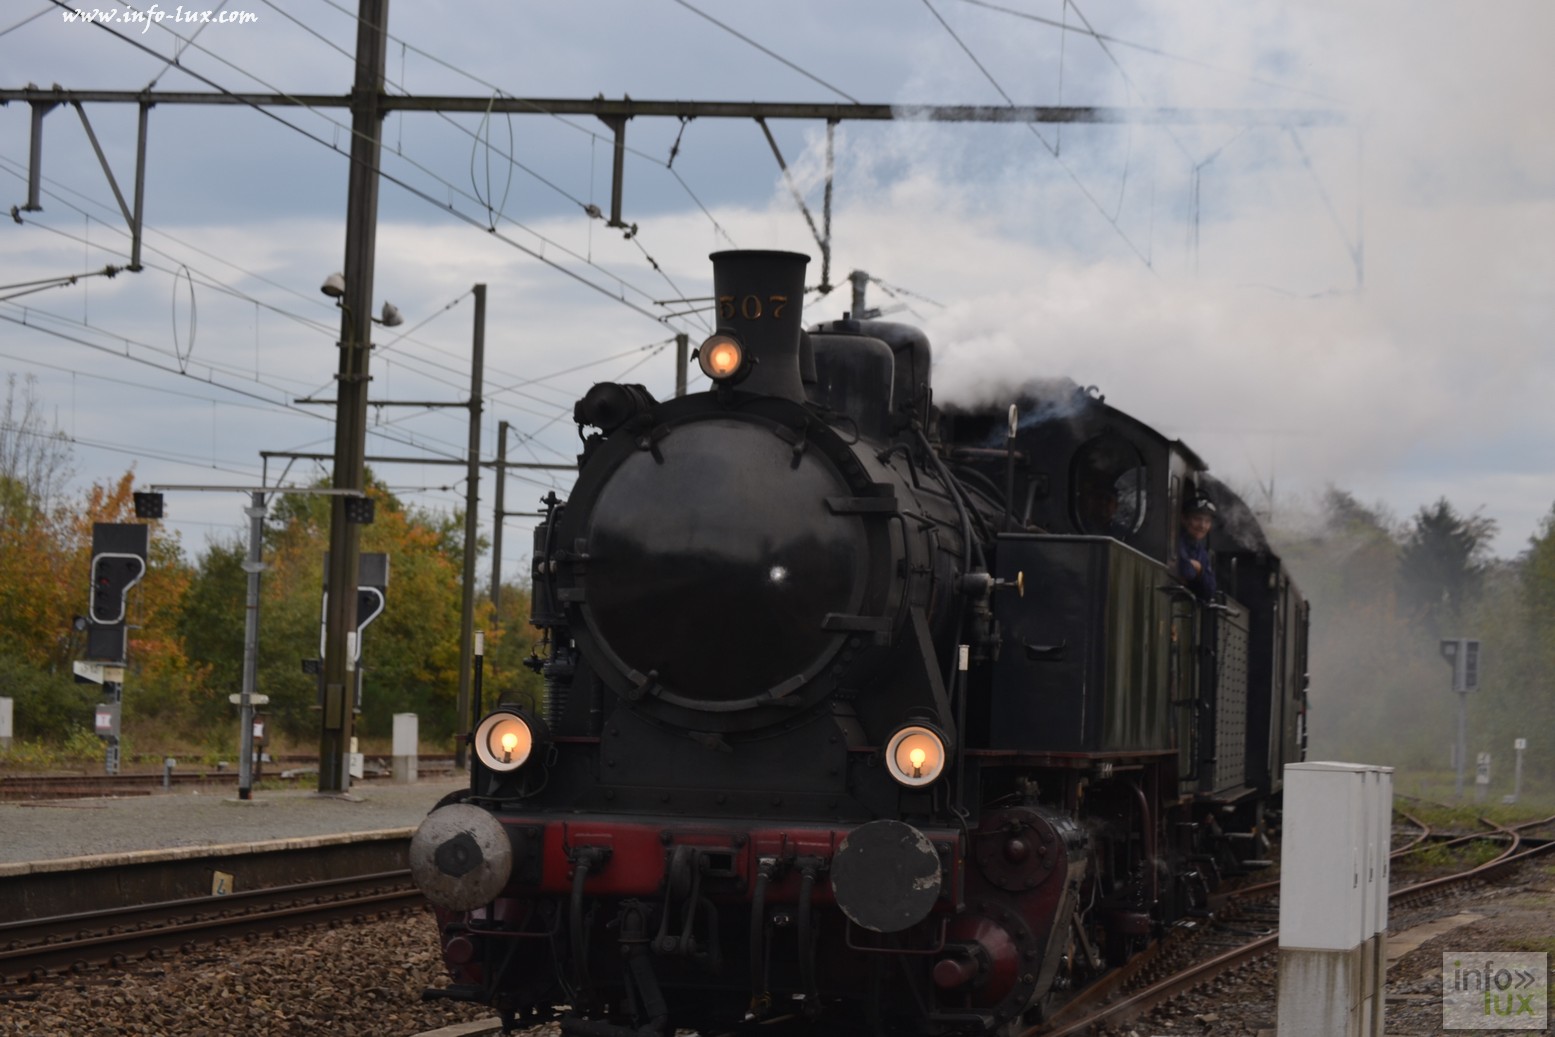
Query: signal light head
[(722, 358), (360, 510)]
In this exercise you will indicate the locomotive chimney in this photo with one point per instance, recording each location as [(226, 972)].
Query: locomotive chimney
[(760, 302)]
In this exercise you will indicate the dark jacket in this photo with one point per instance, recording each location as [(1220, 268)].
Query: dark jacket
[(1201, 583)]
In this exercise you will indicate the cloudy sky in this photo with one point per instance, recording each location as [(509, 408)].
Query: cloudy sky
[(1366, 303)]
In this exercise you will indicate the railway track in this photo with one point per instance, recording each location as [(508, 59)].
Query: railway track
[(287, 887), (37, 948), (34, 787), (34, 950), (82, 786), (1153, 980)]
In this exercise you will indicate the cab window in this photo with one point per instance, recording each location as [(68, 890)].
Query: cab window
[(1110, 487)]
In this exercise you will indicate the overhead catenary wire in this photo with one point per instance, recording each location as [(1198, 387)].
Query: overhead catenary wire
[(383, 348), (550, 415), (213, 283), (1128, 83), (391, 178), (31, 316), (62, 281), (1051, 149), (94, 376), (208, 282), (183, 360), (558, 413), (587, 207), (186, 459), (1102, 41), (178, 53), (398, 150), (768, 51), (282, 404), (1087, 30), (539, 110), (26, 21), (655, 346), (891, 289)]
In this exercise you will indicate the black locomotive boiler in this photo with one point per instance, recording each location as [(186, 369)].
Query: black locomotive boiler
[(861, 715)]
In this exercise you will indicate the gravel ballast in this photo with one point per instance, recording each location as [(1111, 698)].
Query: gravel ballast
[(355, 980)]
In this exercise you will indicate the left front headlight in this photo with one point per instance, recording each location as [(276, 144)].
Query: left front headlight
[(506, 739)]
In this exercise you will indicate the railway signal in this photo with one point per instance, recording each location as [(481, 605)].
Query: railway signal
[(112, 577), (1463, 654), (119, 551), (150, 505), (339, 703), (372, 590)]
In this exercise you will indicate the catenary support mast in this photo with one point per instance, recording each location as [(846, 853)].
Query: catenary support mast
[(471, 500), (351, 393)]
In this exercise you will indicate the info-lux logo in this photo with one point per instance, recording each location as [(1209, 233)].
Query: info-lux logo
[(1507, 991)]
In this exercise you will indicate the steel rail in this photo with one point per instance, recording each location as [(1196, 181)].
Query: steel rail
[(1269, 887), (1201, 972), (40, 947)]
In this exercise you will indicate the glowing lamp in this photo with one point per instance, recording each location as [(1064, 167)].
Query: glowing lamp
[(506, 739), (916, 755), (721, 357)]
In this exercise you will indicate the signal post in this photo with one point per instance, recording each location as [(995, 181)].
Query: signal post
[(119, 552), (1463, 654), (150, 505)]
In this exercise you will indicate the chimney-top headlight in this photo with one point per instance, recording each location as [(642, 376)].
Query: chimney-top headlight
[(721, 357)]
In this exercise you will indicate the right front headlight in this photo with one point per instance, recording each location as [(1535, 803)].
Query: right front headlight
[(916, 755), (507, 738)]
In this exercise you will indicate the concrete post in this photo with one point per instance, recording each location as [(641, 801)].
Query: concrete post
[(406, 741), (5, 722)]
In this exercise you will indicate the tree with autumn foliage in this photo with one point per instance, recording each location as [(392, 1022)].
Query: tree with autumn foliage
[(410, 653), (45, 564)]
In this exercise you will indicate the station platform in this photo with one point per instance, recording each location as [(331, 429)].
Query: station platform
[(51, 830)]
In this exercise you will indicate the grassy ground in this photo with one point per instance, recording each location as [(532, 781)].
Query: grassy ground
[(1435, 791)]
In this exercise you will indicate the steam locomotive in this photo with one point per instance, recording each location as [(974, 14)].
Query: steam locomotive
[(861, 714)]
